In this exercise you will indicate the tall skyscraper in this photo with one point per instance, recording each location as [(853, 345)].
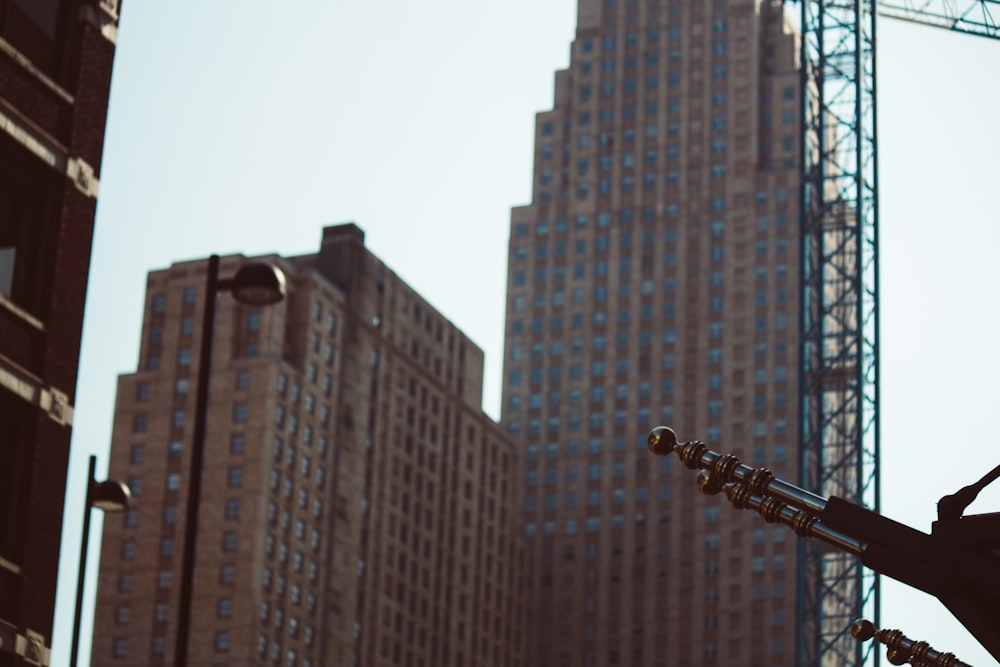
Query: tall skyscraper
[(55, 69), (653, 279), (357, 503)]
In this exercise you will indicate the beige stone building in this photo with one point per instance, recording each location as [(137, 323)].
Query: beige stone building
[(358, 508), (653, 279)]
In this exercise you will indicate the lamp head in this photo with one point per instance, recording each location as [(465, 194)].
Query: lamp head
[(259, 284), (110, 496)]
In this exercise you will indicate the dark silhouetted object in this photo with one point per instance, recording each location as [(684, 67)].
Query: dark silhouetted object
[(255, 284), (110, 496)]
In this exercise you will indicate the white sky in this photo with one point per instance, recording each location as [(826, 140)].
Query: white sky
[(247, 126)]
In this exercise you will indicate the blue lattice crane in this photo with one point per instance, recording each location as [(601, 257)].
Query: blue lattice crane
[(839, 353)]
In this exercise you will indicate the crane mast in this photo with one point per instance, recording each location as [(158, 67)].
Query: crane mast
[(839, 325), (839, 350)]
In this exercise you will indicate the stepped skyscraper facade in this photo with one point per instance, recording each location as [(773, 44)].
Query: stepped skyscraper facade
[(356, 504), (653, 279)]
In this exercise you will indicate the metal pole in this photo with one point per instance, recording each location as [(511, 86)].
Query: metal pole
[(197, 464), (75, 648)]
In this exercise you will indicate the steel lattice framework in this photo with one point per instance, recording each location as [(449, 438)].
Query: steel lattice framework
[(978, 17), (839, 351), (839, 295)]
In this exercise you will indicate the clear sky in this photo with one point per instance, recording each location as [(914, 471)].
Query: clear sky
[(246, 126)]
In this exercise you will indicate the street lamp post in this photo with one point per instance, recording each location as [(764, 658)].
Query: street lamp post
[(256, 284), (110, 496)]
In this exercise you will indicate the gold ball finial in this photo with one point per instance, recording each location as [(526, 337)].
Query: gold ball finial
[(662, 440), (708, 484), (862, 630)]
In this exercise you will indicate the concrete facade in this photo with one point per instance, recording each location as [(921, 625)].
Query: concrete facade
[(356, 506), (653, 279)]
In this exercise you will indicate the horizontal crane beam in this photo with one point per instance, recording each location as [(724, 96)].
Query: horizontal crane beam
[(975, 17)]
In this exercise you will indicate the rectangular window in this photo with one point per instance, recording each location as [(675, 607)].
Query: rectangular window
[(173, 481), (122, 614), (167, 546), (243, 379)]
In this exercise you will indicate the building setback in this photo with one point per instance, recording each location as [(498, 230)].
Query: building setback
[(652, 280), (357, 505), (55, 75)]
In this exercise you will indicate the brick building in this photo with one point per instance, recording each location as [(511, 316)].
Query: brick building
[(55, 74), (653, 279), (357, 503)]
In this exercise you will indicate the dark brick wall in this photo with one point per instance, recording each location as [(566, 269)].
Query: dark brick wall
[(70, 116)]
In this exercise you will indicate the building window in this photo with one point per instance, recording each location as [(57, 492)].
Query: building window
[(122, 614), (224, 608), (173, 481), (221, 641), (119, 649), (232, 510), (240, 412), (243, 379), (229, 541), (23, 271), (167, 546)]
